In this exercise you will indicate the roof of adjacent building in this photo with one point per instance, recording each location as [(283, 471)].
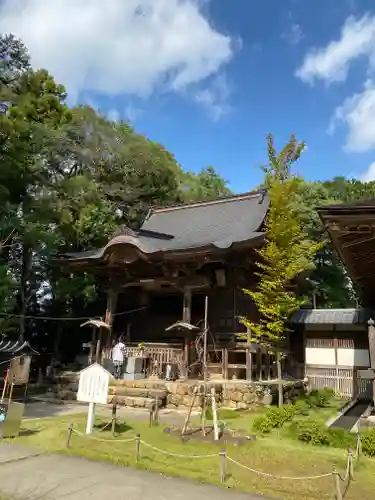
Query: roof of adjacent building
[(350, 226), (332, 316), (217, 224), (16, 348)]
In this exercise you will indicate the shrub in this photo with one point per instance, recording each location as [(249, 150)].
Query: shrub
[(368, 443), (262, 425), (320, 398), (275, 418), (310, 431), (313, 432), (302, 407), (340, 438)]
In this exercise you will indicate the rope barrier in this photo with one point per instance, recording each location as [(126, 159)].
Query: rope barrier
[(88, 436), (66, 318), (176, 454), (266, 474), (222, 455)]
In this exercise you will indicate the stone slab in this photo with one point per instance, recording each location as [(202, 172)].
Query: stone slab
[(10, 452)]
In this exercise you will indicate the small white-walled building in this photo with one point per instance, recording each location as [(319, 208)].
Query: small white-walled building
[(333, 345)]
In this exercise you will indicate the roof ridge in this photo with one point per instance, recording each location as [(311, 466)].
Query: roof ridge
[(216, 201)]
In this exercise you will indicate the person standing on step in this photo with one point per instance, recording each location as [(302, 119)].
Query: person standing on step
[(118, 354)]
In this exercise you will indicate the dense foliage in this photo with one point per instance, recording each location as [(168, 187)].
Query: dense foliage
[(69, 176)]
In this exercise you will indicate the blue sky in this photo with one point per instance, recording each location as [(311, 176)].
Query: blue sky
[(209, 79)]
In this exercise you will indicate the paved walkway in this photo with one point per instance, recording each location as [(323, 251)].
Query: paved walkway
[(51, 477), (40, 409)]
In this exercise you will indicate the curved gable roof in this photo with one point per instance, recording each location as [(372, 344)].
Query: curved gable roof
[(213, 224)]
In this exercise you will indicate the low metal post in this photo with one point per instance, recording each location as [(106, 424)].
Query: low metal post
[(69, 435), (151, 417), (137, 446), (222, 457)]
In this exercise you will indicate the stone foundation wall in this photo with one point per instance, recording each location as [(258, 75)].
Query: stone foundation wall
[(235, 395), (230, 394)]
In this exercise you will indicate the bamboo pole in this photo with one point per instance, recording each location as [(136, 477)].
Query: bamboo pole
[(189, 411), (214, 414), (205, 365), (5, 386)]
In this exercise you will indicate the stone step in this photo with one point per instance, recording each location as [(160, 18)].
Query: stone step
[(138, 392), (135, 402)]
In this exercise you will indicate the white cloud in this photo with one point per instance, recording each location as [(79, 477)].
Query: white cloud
[(331, 63), (215, 98), (294, 35), (133, 47), (358, 113), (132, 113), (369, 174)]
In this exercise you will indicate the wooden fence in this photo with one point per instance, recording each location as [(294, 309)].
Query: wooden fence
[(343, 381)]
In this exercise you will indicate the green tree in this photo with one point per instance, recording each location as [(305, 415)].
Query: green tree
[(286, 254), (206, 185)]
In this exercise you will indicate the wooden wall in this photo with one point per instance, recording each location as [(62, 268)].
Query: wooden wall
[(225, 305)]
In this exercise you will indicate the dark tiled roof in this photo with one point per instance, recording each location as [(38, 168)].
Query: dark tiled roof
[(331, 316), (217, 224)]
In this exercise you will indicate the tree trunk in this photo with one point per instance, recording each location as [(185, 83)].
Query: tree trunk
[(279, 377), (24, 288)]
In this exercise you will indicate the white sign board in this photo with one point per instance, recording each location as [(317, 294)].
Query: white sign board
[(93, 384)]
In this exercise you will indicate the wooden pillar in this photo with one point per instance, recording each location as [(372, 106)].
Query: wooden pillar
[(279, 377), (335, 347), (111, 306), (186, 317), (110, 311), (92, 345), (371, 348), (186, 313), (259, 358), (98, 354), (225, 363), (249, 367)]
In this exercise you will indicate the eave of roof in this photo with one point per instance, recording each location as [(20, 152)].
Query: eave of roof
[(356, 248), (15, 347), (352, 316)]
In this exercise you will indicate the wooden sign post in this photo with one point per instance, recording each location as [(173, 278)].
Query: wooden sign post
[(371, 348), (93, 389)]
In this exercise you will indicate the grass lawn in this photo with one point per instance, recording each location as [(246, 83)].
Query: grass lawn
[(272, 454), (245, 420)]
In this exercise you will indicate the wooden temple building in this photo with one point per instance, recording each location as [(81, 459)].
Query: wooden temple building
[(351, 227), (162, 273)]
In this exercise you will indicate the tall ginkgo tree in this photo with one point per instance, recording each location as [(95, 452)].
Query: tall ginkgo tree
[(286, 254)]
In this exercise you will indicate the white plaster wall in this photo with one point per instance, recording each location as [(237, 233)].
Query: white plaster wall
[(320, 356), (353, 357), (345, 357)]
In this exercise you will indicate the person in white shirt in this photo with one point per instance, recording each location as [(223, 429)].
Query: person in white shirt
[(118, 354)]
